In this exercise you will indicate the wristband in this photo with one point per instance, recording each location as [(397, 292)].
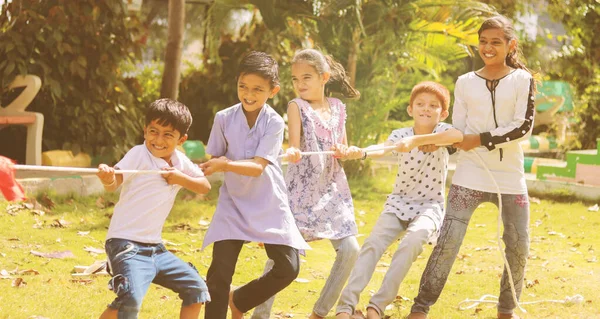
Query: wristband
[(364, 157)]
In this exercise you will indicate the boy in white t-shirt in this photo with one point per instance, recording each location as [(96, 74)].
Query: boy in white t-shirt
[(136, 254), (415, 208)]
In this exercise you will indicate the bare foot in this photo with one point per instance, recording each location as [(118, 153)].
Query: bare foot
[(343, 315), (372, 314), (235, 313), (358, 315), (314, 316), (417, 315), (508, 316)]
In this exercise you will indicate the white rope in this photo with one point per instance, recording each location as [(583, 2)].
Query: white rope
[(485, 298), (82, 170), (367, 149)]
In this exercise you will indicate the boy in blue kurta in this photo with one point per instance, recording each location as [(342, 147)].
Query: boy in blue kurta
[(245, 142)]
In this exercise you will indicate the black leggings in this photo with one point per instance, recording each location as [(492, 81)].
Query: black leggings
[(222, 267)]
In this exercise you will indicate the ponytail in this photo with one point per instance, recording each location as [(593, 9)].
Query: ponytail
[(339, 81)]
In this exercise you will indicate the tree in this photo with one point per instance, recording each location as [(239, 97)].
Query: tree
[(76, 48), (172, 70), (578, 62)]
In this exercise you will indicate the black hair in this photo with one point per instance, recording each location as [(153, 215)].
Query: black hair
[(170, 112), (261, 64)]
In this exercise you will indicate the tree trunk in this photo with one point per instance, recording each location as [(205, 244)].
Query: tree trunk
[(353, 56), (172, 72)]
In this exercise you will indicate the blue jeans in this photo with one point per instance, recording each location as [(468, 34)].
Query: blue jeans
[(462, 202), (134, 266)]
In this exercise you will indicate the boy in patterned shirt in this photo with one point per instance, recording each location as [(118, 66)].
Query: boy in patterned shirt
[(415, 208)]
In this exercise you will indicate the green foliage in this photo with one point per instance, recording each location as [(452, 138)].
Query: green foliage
[(578, 62), (76, 48)]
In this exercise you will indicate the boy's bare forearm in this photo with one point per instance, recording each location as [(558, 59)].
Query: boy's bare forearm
[(198, 185), (245, 167)]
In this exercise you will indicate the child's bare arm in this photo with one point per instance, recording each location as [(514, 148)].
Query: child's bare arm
[(448, 137), (108, 178), (252, 167), (198, 185)]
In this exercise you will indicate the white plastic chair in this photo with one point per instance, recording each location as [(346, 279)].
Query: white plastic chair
[(15, 114)]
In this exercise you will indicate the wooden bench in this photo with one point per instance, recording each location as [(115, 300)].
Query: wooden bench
[(15, 114)]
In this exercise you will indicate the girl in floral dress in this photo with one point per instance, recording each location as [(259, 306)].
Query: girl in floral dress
[(318, 190)]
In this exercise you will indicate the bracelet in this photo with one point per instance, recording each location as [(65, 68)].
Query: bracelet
[(364, 157), (111, 184)]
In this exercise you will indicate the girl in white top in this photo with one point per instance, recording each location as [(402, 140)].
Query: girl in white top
[(494, 108)]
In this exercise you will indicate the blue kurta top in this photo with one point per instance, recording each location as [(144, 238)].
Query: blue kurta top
[(251, 208)]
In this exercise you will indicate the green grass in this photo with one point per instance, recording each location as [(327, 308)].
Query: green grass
[(564, 237)]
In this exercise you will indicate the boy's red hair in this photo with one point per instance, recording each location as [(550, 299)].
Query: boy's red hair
[(435, 88)]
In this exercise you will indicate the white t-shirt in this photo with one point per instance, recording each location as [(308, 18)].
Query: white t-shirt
[(146, 199), (501, 122), (420, 181)]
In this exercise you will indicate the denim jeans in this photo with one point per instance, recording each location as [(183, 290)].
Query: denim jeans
[(462, 202), (346, 250), (134, 266), (386, 231), (225, 255)]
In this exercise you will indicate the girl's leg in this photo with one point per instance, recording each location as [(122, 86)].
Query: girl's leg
[(387, 229), (346, 253), (285, 270), (218, 279), (515, 215), (263, 311), (461, 204), (411, 246)]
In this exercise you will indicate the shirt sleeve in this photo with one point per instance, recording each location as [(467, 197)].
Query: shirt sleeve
[(521, 125), (131, 161), (270, 143), (395, 136), (188, 167), (217, 144), (459, 109)]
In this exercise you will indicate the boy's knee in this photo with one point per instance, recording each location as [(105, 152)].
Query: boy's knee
[(287, 270)]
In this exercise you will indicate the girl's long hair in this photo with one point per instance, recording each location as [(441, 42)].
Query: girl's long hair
[(339, 82)]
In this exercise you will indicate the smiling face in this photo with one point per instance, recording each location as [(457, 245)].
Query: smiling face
[(493, 46), (162, 140), (308, 83), (427, 110), (254, 91)]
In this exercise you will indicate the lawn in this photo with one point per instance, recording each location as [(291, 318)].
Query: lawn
[(563, 261)]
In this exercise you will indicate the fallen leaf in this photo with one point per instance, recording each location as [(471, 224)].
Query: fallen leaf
[(203, 222), (4, 274), (60, 223), (19, 283), (530, 283), (57, 254), (94, 250), (170, 243), (83, 233), (82, 281), (28, 272), (301, 280), (47, 201)]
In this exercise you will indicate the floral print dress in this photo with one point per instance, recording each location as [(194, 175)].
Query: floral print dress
[(318, 190)]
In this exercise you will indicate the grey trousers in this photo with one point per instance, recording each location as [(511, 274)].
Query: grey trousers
[(385, 232), (346, 252), (462, 202)]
